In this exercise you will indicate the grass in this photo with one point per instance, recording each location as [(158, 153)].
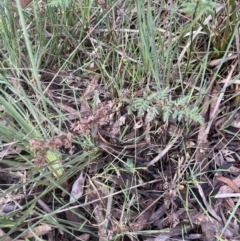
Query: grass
[(106, 87)]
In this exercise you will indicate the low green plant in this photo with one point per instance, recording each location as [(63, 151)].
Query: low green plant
[(202, 6), (159, 103)]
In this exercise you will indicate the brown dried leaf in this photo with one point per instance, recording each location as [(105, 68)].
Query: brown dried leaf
[(142, 221), (77, 188), (91, 87), (202, 139), (214, 97), (166, 149), (232, 184), (158, 213), (146, 128), (93, 192), (84, 237), (210, 227), (76, 216), (214, 111), (38, 231), (160, 237), (236, 121), (73, 114)]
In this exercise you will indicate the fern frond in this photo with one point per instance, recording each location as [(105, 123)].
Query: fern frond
[(159, 102), (203, 7)]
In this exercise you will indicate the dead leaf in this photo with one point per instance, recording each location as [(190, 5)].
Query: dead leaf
[(138, 124), (38, 231), (161, 237), (94, 191), (215, 110), (216, 62), (76, 216), (236, 121), (230, 183), (142, 220), (72, 113), (91, 87), (202, 139), (77, 188), (210, 226), (209, 207), (84, 237)]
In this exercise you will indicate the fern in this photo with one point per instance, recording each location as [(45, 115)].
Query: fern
[(159, 103), (141, 105), (152, 113), (167, 112), (199, 6)]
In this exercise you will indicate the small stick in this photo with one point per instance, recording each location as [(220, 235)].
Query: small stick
[(165, 151)]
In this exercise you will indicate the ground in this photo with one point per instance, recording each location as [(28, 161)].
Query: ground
[(119, 120)]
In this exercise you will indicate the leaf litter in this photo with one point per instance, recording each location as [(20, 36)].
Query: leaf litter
[(145, 183)]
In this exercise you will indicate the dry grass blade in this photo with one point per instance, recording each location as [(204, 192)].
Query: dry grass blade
[(197, 32), (209, 208), (216, 108)]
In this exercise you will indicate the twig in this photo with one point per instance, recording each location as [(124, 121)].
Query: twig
[(48, 210), (165, 151)]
